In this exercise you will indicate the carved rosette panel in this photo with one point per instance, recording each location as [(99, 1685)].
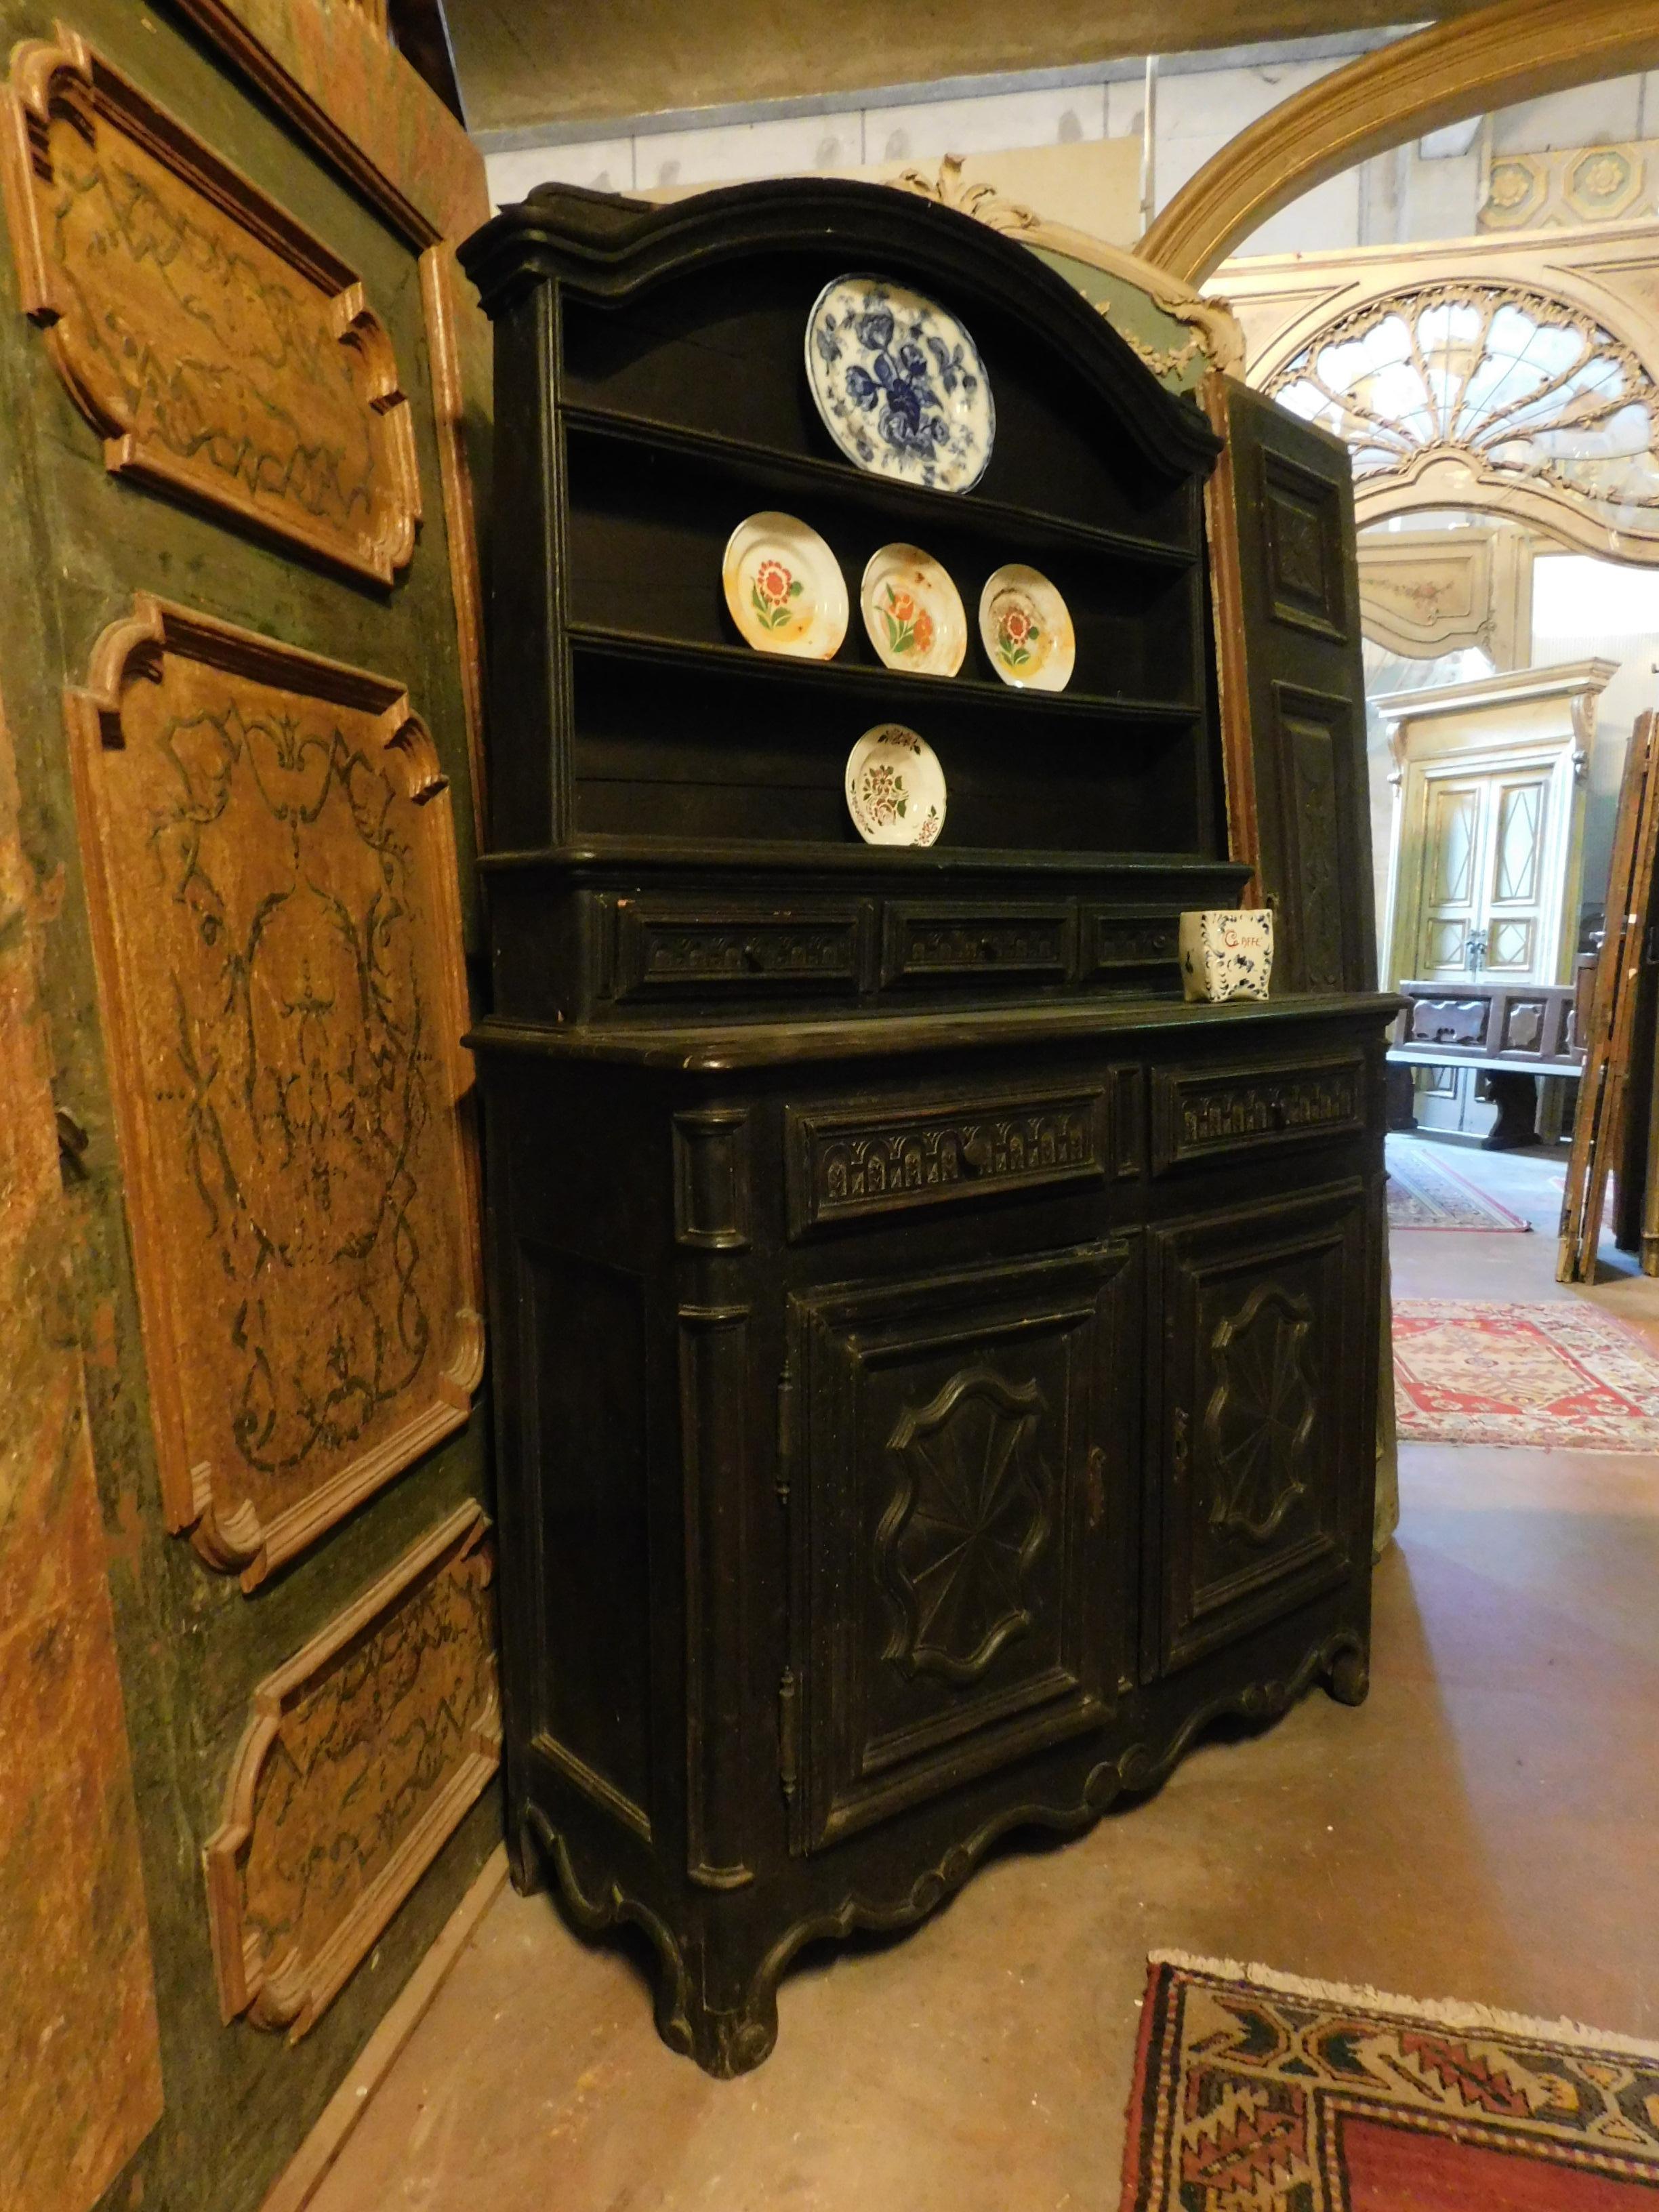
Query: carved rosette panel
[(221, 352), (362, 1755), (967, 1523), (272, 874), (1261, 1414)]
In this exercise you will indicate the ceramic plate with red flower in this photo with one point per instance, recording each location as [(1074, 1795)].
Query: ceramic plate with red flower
[(1026, 629), (913, 612), (895, 788), (784, 587)]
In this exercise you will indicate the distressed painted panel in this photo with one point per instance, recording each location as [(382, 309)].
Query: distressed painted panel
[(363, 1754), (80, 2066), (222, 353), (271, 868)]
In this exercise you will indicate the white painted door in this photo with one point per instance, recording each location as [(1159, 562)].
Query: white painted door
[(1487, 842)]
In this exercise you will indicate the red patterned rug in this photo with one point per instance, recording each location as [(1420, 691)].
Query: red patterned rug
[(1256, 2092), (1560, 1376)]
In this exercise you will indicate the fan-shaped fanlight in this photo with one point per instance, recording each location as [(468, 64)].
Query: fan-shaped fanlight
[(1504, 386)]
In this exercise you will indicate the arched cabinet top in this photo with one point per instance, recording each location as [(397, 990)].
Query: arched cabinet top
[(611, 251)]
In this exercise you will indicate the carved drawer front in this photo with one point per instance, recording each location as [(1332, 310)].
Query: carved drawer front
[(1132, 948), (845, 1163), (931, 944), (1269, 1437), (668, 951), (958, 1466), (1200, 1114)]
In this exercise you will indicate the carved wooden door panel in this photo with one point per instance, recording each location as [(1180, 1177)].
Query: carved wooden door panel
[(241, 669), (1265, 1316), (1280, 519), (962, 1569)]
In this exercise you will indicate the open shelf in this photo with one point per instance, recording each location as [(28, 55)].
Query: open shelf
[(719, 743), (896, 692), (719, 354), (770, 468), (647, 527), (666, 414)]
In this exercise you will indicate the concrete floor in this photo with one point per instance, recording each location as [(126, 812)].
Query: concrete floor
[(1482, 1828)]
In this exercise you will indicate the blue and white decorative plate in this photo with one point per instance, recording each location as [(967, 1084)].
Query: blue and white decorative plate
[(900, 383)]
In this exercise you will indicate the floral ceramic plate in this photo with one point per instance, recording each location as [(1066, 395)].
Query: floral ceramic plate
[(895, 788), (900, 383), (784, 587), (1026, 629), (913, 612)]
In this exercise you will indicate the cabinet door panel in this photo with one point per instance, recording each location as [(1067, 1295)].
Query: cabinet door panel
[(1267, 1418), (962, 1547), (1280, 519)]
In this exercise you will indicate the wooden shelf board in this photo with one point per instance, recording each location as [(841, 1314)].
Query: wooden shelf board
[(839, 479), (888, 683), (803, 856)]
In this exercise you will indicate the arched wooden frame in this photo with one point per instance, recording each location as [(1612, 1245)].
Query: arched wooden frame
[(1516, 50)]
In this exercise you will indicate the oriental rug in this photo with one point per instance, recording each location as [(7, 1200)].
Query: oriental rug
[(1426, 1192), (1560, 1376), (1257, 2092)]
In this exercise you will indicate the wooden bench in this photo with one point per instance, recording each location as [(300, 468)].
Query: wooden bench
[(1512, 1032)]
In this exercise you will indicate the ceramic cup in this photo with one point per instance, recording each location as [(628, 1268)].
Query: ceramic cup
[(1227, 955)]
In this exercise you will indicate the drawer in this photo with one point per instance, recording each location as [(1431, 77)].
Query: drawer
[(663, 948), (1204, 1113), (847, 1162), (966, 944), (1132, 948)]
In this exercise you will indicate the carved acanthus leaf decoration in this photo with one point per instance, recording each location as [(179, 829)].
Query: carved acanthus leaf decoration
[(1216, 337), (983, 201)]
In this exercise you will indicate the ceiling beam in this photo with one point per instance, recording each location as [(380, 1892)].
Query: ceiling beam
[(527, 62)]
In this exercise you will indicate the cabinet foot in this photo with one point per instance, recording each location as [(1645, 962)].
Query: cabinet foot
[(1349, 1680), (526, 1869)]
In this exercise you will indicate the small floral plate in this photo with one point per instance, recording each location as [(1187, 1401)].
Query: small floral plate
[(900, 383), (784, 587), (913, 612), (1025, 628), (895, 788)]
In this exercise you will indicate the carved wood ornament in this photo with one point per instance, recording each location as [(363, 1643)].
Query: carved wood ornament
[(363, 1754), (221, 352), (271, 878)]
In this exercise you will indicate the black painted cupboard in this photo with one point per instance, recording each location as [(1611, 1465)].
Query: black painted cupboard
[(935, 1367)]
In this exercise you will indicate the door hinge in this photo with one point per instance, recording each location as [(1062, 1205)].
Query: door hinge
[(785, 1431), (1094, 1482), (788, 1734)]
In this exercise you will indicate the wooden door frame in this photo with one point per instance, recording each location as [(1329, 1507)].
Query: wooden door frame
[(1412, 720)]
